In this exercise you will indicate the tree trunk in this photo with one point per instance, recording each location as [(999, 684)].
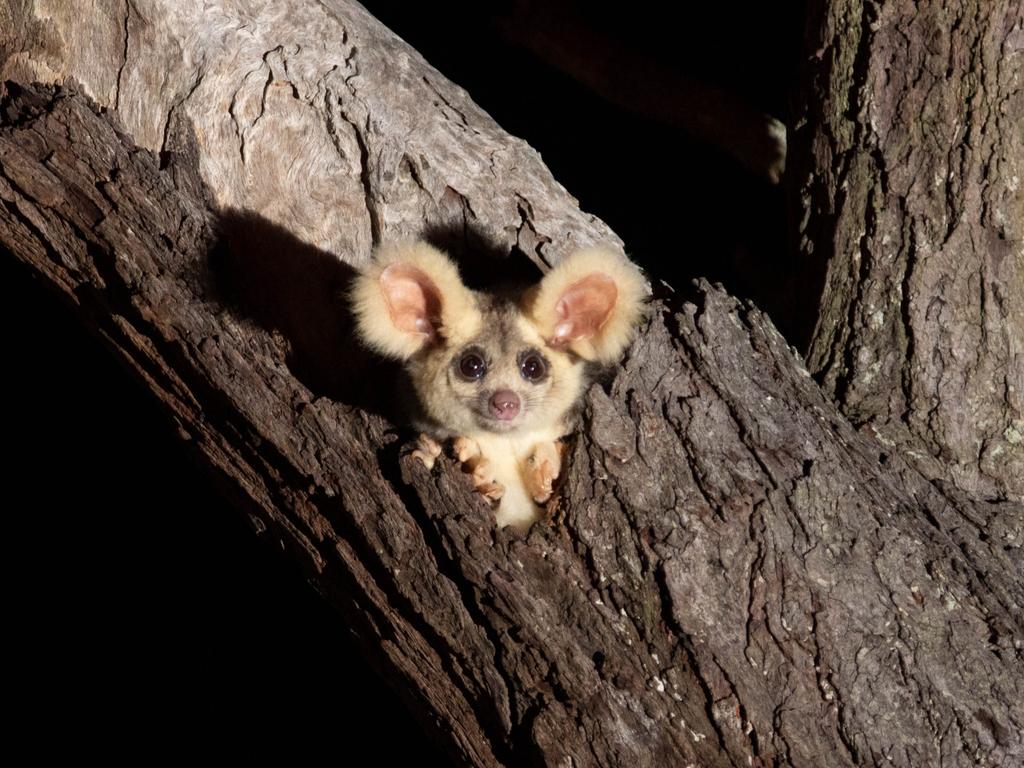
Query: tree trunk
[(912, 156), (733, 574)]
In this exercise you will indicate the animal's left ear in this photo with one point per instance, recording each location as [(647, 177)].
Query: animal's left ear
[(589, 303)]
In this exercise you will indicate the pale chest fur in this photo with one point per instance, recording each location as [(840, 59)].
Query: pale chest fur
[(498, 373), (512, 461), (516, 445)]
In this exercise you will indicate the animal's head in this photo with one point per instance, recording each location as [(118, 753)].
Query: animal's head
[(488, 363)]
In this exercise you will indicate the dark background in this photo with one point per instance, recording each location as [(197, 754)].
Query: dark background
[(146, 615)]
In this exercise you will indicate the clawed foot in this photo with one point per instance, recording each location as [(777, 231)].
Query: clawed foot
[(542, 469), (468, 452), (427, 450)]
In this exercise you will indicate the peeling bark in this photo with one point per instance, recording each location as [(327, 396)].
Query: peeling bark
[(733, 574), (911, 157)]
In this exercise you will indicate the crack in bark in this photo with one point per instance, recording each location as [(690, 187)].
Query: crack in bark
[(234, 116), (124, 56), (830, 693), (364, 176), (196, 82), (497, 722), (463, 121), (684, 643)]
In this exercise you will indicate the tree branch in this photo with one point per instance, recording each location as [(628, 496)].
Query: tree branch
[(732, 575), (907, 168)]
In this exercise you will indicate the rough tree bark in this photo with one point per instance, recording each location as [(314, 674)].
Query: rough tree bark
[(912, 159), (734, 575)]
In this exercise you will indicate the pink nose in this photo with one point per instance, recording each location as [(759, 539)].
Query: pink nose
[(504, 404)]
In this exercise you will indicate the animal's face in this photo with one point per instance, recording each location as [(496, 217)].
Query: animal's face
[(483, 363), (504, 378)]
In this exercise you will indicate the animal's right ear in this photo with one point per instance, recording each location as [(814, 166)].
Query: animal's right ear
[(411, 297)]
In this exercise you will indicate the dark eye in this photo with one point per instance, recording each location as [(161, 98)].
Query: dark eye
[(533, 367), (472, 365)]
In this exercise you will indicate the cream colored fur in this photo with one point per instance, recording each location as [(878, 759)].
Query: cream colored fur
[(434, 386), (541, 423), (520, 464), (614, 336), (459, 313), (508, 457)]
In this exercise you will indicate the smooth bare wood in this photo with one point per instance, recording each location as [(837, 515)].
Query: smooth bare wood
[(733, 574), (311, 114), (910, 177)]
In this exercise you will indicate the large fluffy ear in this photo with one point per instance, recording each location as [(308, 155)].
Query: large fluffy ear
[(589, 303), (411, 296)]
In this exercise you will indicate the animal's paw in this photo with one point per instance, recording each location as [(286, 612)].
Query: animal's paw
[(483, 480), (427, 450), (542, 469), (468, 452)]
